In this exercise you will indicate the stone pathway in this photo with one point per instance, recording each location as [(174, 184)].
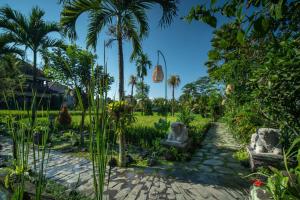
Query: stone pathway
[(211, 174)]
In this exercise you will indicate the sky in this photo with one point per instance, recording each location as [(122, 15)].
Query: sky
[(185, 46)]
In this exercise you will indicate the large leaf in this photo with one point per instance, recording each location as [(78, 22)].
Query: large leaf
[(241, 37), (210, 20)]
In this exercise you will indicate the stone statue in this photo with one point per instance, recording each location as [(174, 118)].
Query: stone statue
[(179, 133), (266, 140)]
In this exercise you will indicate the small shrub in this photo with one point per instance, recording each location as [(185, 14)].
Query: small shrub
[(162, 125), (143, 136), (64, 118), (243, 121), (186, 116), (71, 137), (241, 155)]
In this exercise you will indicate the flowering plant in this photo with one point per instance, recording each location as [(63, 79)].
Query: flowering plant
[(257, 183)]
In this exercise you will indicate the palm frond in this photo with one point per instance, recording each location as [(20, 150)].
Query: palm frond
[(98, 19), (6, 48), (138, 10), (48, 42), (170, 10), (130, 26), (71, 12)]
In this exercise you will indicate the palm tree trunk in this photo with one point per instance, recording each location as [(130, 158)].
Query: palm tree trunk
[(34, 88), (121, 67), (173, 100), (132, 85), (121, 91), (33, 106), (143, 100)]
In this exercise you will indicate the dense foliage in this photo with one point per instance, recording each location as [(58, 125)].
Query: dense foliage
[(256, 54), (203, 96)]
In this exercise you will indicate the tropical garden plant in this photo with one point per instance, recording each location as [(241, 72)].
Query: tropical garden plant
[(173, 82), (254, 53), (132, 82), (73, 67), (142, 63), (31, 32), (121, 17)]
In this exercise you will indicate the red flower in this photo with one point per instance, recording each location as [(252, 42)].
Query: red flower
[(257, 182)]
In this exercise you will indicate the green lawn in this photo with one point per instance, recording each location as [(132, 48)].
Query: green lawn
[(141, 120)]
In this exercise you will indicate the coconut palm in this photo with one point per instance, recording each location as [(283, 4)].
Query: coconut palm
[(132, 82), (129, 21), (173, 82), (31, 32), (142, 63)]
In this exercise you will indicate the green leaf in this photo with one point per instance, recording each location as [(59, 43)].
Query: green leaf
[(241, 37), (278, 10), (261, 25), (229, 10), (223, 44), (213, 55), (265, 24), (210, 20)]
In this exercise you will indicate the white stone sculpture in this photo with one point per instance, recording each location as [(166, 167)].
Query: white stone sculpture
[(266, 140), (179, 133)]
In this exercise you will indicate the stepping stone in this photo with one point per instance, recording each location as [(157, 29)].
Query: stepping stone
[(213, 162)]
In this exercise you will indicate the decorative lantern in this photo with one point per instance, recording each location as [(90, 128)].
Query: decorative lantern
[(158, 74), (229, 89), (223, 102)]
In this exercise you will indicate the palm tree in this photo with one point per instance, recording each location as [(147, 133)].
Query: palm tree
[(129, 20), (6, 48), (142, 63), (31, 32), (173, 82), (132, 82)]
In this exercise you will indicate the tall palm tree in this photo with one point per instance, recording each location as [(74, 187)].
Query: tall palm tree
[(31, 32), (173, 82), (142, 63), (132, 82), (129, 20)]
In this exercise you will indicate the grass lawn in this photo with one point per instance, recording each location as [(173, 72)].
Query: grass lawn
[(148, 120), (141, 129)]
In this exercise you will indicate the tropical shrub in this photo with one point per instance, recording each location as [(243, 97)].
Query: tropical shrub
[(147, 105), (257, 54), (71, 137), (243, 121), (161, 106), (162, 125), (64, 118), (286, 184), (186, 116), (143, 136)]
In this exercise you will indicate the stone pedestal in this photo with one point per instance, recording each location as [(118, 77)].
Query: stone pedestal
[(181, 145)]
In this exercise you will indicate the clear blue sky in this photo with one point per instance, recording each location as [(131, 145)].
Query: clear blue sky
[(184, 45)]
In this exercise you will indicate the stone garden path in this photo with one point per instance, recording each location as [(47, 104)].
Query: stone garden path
[(211, 174)]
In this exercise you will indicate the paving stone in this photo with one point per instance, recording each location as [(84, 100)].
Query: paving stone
[(213, 162), (211, 167)]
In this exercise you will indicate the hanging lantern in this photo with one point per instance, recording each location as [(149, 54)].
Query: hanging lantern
[(223, 102), (158, 74), (229, 89)]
